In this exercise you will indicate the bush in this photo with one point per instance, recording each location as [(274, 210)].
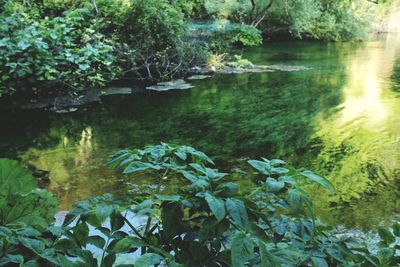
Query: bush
[(322, 20), (246, 35), (154, 30), (191, 8), (49, 53)]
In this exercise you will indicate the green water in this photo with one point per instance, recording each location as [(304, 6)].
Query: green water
[(340, 118)]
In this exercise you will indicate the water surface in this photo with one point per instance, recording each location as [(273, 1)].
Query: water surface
[(340, 118)]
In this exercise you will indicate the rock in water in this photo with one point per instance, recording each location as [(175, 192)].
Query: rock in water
[(198, 77), (170, 85)]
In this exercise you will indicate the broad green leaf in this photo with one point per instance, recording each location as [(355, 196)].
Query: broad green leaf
[(386, 235), (96, 241), (287, 179), (181, 154), (242, 249), (36, 208), (148, 259), (191, 176), (228, 189), (274, 162), (267, 259), (237, 211), (198, 167), (297, 197), (81, 231), (173, 198), (117, 221), (319, 262), (10, 258), (109, 260), (50, 255), (35, 245), (128, 244), (171, 215), (257, 232), (104, 211), (273, 185), (279, 170), (214, 174), (28, 231), (14, 178), (319, 180), (136, 166), (217, 206), (5, 231), (148, 203), (261, 166)]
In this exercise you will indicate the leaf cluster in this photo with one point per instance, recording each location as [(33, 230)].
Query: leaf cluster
[(207, 222)]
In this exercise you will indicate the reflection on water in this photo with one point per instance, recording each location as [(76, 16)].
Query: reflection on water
[(340, 119), (360, 147)]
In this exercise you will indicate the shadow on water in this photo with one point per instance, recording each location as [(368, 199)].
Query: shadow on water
[(340, 119)]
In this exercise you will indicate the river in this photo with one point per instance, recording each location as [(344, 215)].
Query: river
[(339, 118)]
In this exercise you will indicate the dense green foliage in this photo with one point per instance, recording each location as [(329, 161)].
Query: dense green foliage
[(62, 44), (87, 44), (208, 222), (322, 19), (51, 52)]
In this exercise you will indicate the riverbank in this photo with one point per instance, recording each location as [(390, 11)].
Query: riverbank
[(70, 102)]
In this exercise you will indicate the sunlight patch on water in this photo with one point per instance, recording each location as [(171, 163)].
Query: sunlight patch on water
[(367, 71)]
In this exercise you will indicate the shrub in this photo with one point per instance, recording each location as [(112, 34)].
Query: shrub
[(154, 30), (246, 35), (191, 8), (44, 54), (240, 62), (322, 20)]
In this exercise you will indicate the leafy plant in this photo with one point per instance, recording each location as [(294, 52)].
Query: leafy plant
[(195, 227), (20, 200), (240, 62), (208, 222), (246, 35), (63, 51)]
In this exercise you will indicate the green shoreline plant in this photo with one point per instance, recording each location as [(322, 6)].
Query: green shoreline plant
[(207, 222), (48, 46)]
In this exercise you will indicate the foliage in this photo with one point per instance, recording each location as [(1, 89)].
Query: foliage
[(321, 19), (216, 61), (74, 46), (247, 35), (20, 201), (240, 62), (63, 51), (191, 9), (209, 222), (155, 32)]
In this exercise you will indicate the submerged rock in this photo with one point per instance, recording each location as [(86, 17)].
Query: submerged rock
[(170, 85), (229, 69), (117, 91), (198, 77), (288, 67), (70, 102)]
